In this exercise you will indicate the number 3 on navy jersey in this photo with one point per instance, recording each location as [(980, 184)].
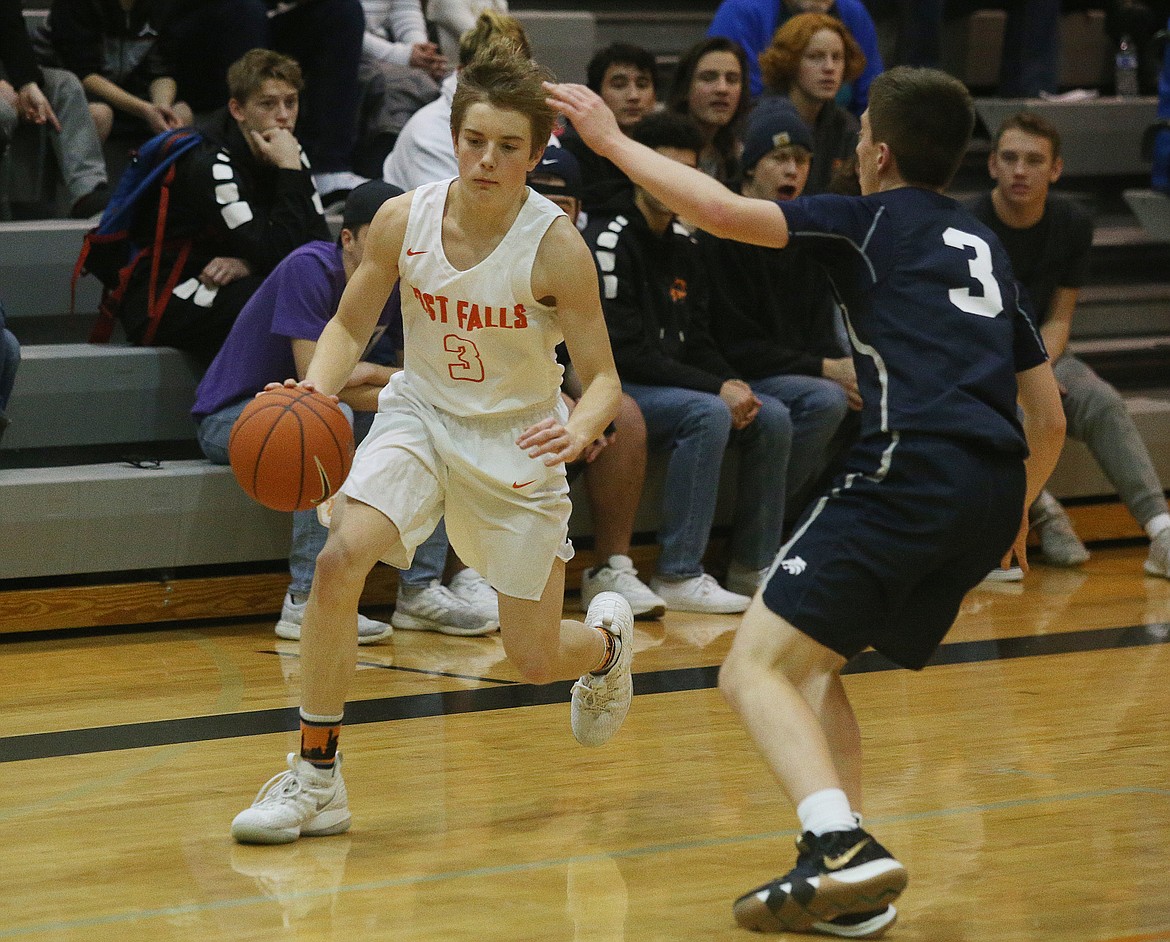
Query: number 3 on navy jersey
[(990, 303)]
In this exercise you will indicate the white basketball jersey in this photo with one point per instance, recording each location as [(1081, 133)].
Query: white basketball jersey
[(477, 341)]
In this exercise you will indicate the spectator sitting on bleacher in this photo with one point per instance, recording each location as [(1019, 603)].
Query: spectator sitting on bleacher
[(424, 151), (809, 58), (752, 23), (711, 87), (243, 199), (777, 323), (614, 475), (626, 78), (9, 362), (115, 48), (655, 293), (52, 98), (1048, 240), (273, 339)]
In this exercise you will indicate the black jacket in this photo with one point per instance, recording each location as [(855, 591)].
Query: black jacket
[(230, 204), (655, 293), (98, 37), (775, 308)]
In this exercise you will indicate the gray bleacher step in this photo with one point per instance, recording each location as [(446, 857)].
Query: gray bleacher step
[(1122, 310), (86, 394), (36, 264), (1100, 136), (1077, 473), (1152, 210), (115, 518)]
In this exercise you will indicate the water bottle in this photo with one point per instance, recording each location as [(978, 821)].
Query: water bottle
[(1125, 70)]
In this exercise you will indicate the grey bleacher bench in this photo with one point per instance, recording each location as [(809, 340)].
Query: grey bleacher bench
[(117, 517), (1100, 136), (36, 264), (1152, 210), (1077, 474), (562, 40), (86, 394)]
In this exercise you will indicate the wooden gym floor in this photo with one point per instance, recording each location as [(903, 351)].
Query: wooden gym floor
[(1024, 781)]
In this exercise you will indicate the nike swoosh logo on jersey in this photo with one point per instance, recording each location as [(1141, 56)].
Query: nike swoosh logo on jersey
[(412, 252), (836, 863), (517, 487)]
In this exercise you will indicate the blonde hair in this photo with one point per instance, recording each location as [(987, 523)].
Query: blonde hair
[(492, 27), (257, 66)]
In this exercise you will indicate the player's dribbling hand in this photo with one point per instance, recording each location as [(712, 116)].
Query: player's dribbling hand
[(551, 441), (1019, 548), (293, 384), (591, 116)]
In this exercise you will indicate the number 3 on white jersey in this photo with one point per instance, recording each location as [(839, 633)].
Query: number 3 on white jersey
[(991, 302)]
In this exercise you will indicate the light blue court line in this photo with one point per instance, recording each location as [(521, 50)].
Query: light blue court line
[(651, 850)]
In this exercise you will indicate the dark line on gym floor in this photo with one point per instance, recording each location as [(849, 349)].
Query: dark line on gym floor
[(262, 722)]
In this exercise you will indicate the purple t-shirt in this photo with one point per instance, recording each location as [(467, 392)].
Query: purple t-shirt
[(295, 302)]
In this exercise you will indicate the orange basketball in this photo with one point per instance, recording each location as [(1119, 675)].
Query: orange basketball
[(291, 448)]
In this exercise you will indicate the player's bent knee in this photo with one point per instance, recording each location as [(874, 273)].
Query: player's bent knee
[(534, 665)]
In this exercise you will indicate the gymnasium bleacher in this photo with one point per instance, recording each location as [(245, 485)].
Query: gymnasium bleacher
[(110, 516)]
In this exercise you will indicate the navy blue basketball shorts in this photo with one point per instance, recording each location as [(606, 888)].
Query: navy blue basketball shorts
[(885, 558)]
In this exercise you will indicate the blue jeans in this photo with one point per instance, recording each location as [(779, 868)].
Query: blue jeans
[(1031, 49), (308, 537), (695, 427), (816, 408)]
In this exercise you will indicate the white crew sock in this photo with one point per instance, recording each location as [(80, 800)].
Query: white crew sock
[(826, 810), (1157, 525)]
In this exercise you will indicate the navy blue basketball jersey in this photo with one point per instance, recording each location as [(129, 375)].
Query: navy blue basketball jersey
[(939, 328)]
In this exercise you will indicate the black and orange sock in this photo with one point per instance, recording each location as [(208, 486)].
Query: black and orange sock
[(319, 735)]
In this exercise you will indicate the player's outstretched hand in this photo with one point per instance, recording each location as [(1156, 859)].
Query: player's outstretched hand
[(591, 116), (550, 440)]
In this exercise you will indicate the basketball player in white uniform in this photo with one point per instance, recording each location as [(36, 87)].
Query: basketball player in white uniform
[(493, 275)]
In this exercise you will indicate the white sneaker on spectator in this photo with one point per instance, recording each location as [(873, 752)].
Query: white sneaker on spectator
[(293, 613), (474, 589), (303, 800), (1158, 562), (699, 594), (617, 574), (437, 608), (601, 701), (999, 574), (743, 579)]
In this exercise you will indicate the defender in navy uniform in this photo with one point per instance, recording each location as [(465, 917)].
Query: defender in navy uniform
[(934, 493)]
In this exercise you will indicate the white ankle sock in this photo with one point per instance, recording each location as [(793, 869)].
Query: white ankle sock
[(826, 810), (1157, 525)]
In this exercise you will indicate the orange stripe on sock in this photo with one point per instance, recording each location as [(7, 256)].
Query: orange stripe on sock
[(319, 742)]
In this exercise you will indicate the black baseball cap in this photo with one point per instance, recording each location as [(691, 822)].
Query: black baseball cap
[(364, 201)]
